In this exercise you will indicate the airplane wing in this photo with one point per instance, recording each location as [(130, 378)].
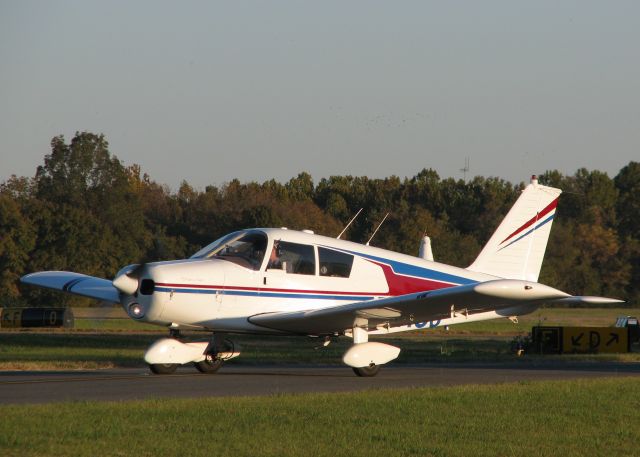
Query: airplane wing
[(420, 307), (74, 283)]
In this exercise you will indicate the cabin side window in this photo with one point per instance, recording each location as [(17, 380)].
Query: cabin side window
[(293, 257), (335, 263)]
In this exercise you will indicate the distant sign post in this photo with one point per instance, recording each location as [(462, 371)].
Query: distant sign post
[(547, 340), (36, 317), (580, 340)]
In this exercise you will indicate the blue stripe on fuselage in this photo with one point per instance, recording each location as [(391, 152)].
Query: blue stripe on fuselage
[(249, 293), (415, 271)]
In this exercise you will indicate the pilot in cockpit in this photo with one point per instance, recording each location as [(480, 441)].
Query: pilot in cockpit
[(274, 259)]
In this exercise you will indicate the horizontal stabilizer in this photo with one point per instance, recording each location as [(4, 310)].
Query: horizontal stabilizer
[(585, 300), (74, 283)]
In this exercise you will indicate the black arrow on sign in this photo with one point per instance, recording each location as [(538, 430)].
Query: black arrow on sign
[(614, 337), (575, 340)]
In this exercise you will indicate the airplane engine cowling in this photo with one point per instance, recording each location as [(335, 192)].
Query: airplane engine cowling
[(365, 354)]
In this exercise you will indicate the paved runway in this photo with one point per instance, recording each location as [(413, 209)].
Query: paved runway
[(18, 387)]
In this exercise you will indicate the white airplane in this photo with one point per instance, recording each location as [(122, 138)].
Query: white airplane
[(276, 281)]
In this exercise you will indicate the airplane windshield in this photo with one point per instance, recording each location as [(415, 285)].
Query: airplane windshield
[(246, 249), (211, 248)]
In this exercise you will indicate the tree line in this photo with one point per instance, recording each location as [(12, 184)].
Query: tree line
[(85, 211)]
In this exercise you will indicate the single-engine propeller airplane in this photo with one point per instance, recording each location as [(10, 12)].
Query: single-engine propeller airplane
[(274, 281)]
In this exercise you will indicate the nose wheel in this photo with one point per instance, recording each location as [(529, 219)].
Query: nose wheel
[(163, 368), (165, 355)]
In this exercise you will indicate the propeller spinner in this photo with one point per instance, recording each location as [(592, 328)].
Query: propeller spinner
[(127, 280)]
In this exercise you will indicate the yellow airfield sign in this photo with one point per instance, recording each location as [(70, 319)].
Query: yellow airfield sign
[(594, 339)]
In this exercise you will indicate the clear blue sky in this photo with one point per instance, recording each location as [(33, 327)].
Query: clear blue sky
[(210, 91)]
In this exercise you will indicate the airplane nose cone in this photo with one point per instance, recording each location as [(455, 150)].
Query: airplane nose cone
[(127, 280)]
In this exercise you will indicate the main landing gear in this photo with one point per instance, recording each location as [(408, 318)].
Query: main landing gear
[(165, 355), (365, 357), (366, 372), (209, 365)]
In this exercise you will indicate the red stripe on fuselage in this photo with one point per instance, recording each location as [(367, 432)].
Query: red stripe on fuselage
[(401, 285), (550, 207), (268, 289)]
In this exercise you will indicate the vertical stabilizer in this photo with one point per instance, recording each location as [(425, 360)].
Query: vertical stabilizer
[(516, 249)]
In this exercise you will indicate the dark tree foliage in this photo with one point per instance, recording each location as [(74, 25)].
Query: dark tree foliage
[(85, 211)]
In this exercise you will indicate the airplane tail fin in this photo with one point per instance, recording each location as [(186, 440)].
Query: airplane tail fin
[(516, 249)]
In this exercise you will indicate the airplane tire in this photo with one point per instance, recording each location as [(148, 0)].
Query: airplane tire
[(367, 372), (163, 368), (208, 366)]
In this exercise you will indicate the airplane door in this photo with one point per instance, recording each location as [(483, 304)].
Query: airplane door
[(240, 294), (290, 274)]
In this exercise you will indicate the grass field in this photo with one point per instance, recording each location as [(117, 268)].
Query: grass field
[(119, 345), (571, 418)]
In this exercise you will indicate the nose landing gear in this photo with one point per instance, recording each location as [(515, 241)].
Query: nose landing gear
[(163, 368), (166, 354)]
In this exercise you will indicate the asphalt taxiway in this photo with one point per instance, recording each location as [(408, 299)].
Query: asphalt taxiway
[(21, 387)]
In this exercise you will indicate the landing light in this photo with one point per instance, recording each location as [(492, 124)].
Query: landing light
[(136, 310)]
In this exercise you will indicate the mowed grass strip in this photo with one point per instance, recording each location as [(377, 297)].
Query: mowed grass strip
[(62, 350), (77, 350), (46, 351), (121, 342), (569, 418)]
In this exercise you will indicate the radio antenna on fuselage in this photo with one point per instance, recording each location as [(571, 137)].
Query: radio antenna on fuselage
[(377, 228), (350, 222)]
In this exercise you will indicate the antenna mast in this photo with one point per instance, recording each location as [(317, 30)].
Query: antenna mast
[(465, 169), (350, 222), (377, 228)]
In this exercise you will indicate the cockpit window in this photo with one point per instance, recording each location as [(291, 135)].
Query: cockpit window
[(242, 248)]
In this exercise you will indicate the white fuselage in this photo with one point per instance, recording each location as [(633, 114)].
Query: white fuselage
[(221, 292)]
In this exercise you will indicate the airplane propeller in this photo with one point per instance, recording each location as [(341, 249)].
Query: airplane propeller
[(126, 281)]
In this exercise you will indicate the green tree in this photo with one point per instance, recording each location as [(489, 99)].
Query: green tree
[(628, 209), (88, 218), (628, 204), (300, 187), (16, 243)]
